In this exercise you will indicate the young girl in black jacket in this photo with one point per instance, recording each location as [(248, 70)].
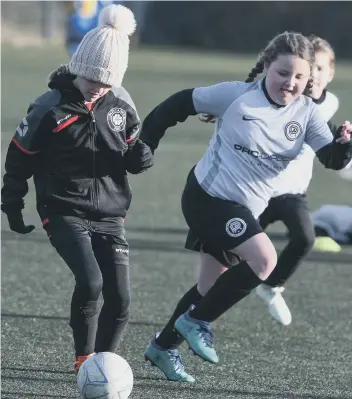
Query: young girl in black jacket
[(78, 141)]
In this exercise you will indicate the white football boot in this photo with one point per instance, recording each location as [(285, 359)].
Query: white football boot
[(276, 303)]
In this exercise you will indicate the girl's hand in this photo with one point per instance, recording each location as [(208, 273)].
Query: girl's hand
[(346, 133)]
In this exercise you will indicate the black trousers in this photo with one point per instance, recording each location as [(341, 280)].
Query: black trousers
[(97, 253), (293, 211)]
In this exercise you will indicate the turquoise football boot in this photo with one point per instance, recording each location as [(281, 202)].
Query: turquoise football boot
[(169, 361), (198, 335)]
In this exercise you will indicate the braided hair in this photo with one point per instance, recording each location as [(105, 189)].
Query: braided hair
[(259, 68)]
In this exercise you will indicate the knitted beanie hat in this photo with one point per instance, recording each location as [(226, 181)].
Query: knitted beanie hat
[(102, 55)]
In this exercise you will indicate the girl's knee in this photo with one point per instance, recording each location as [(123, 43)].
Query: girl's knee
[(263, 260), (260, 254), (90, 289), (304, 242), (264, 267)]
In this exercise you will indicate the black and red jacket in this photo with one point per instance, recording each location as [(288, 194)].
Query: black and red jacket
[(78, 157)]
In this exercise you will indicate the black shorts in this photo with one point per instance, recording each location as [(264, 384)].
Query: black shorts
[(216, 225)]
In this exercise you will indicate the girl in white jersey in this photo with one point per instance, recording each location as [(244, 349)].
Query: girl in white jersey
[(289, 203), (261, 126)]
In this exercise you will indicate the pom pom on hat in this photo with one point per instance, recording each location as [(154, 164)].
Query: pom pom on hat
[(118, 17)]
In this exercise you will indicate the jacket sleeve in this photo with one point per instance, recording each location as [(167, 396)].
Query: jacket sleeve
[(21, 158), (133, 131), (129, 115), (174, 109), (138, 157), (213, 100), (19, 167)]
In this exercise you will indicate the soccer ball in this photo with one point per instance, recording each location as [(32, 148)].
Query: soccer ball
[(105, 375)]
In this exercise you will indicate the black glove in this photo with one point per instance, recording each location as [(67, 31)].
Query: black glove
[(139, 158), (16, 223)]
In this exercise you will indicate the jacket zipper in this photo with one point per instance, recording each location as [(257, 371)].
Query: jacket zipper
[(95, 203)]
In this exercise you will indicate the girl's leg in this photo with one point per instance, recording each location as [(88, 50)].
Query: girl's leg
[(163, 350), (209, 271), (224, 226), (293, 211), (269, 215), (259, 259), (112, 254), (295, 215), (71, 237)]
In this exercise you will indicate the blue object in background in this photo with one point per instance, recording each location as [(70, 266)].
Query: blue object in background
[(82, 17)]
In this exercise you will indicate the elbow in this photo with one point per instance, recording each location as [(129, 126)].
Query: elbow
[(173, 110)]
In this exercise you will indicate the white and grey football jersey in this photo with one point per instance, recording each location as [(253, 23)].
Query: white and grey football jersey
[(298, 174), (254, 141)]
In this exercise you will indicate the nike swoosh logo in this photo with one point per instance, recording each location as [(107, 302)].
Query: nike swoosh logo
[(249, 118)]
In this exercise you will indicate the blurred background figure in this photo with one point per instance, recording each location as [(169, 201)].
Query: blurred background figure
[(207, 25), (333, 226), (82, 16)]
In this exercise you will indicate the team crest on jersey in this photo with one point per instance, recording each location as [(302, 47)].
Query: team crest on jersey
[(293, 130), (116, 119), (235, 227)]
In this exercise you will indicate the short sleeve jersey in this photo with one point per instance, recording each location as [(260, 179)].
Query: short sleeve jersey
[(254, 140)]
